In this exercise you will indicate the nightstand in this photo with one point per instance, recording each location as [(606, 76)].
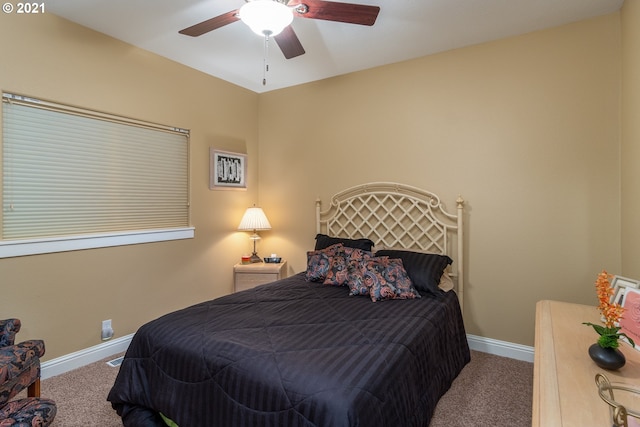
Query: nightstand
[(247, 276)]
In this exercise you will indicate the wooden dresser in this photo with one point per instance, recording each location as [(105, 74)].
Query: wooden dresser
[(564, 388)]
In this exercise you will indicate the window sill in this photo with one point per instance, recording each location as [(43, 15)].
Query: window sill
[(15, 248)]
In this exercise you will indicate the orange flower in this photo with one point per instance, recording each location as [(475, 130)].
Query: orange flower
[(612, 312)]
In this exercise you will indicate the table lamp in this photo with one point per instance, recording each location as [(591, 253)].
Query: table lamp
[(254, 220)]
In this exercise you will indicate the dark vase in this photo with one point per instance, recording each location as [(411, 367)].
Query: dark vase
[(607, 358)]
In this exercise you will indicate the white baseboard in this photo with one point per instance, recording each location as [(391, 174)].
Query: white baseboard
[(500, 348), (78, 359)]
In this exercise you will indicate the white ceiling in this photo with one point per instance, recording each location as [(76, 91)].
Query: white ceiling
[(405, 29)]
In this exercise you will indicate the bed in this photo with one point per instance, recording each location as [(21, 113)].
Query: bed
[(374, 342)]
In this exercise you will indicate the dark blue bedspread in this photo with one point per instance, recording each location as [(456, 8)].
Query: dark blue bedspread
[(292, 354)]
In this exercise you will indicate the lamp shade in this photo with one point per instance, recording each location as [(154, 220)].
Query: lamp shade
[(254, 219), (266, 17)]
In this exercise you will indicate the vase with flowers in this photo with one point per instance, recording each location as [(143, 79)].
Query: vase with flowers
[(605, 352)]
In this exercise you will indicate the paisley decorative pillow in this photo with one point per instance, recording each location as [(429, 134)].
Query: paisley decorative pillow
[(355, 280), (355, 275), (386, 278), (319, 262), (338, 274)]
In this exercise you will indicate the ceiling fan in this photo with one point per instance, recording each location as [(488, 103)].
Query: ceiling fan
[(257, 15)]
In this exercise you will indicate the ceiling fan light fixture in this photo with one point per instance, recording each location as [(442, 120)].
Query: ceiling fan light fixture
[(266, 18)]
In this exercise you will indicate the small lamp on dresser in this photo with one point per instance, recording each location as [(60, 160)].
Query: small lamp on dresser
[(254, 220)]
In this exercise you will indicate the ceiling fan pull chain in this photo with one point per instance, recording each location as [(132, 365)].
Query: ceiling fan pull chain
[(265, 67)]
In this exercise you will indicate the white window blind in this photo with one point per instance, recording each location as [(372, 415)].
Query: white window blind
[(70, 172)]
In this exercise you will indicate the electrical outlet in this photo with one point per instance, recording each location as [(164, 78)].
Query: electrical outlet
[(107, 330)]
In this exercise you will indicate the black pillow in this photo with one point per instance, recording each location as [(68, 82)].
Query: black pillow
[(424, 270), (324, 241)]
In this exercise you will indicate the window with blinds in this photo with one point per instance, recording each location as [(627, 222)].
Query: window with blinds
[(75, 179)]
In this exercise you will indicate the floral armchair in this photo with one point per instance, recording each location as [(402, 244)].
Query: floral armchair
[(20, 369)]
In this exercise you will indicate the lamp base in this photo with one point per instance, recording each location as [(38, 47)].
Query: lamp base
[(255, 258)]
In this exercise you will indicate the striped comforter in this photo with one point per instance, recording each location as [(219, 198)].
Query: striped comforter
[(293, 353)]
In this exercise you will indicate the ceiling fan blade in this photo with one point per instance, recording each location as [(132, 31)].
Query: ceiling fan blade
[(211, 24), (289, 43), (333, 11)]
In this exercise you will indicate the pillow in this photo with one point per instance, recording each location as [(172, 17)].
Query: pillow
[(338, 273), (318, 263), (446, 282), (355, 276), (323, 241), (355, 280), (425, 270), (386, 278)]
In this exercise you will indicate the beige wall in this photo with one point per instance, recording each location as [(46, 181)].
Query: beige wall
[(631, 138), (526, 129), (63, 297)]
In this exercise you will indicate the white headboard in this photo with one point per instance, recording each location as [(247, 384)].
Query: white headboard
[(397, 216)]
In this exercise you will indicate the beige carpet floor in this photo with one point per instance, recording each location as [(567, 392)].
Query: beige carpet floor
[(490, 391)]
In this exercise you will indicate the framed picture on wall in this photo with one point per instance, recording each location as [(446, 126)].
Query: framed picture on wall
[(227, 171)]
